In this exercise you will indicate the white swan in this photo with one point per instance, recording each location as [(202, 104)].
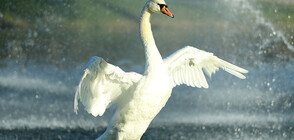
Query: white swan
[(141, 97)]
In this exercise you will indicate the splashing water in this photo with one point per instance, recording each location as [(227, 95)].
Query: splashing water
[(245, 6)]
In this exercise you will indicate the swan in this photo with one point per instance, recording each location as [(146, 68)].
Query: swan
[(140, 98)]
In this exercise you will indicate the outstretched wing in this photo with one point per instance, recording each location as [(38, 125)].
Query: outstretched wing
[(101, 85), (186, 66)]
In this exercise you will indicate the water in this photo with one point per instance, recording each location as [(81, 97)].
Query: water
[(43, 64), (245, 7)]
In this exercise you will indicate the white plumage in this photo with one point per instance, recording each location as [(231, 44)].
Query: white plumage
[(101, 85), (141, 97), (186, 66)]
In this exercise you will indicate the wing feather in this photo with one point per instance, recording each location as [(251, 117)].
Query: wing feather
[(101, 85), (179, 78), (187, 75), (176, 79), (188, 65), (182, 76), (191, 75), (197, 78), (203, 80), (209, 70), (194, 77)]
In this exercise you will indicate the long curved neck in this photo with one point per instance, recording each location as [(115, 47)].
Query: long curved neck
[(153, 57)]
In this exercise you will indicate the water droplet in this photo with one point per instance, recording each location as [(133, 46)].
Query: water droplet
[(274, 33), (268, 84), (1, 15), (37, 96), (276, 10), (289, 17), (272, 103), (284, 135)]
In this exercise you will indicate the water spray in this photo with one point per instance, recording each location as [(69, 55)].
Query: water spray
[(245, 5)]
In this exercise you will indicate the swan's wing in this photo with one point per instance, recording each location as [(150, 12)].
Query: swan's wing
[(101, 85), (186, 66)]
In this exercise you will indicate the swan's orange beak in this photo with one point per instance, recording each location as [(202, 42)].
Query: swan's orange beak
[(165, 10)]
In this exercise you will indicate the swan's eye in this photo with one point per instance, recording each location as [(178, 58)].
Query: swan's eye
[(162, 5)]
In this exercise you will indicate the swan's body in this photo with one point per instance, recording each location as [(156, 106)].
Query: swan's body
[(141, 97)]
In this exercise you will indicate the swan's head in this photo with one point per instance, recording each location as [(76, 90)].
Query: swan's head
[(159, 6)]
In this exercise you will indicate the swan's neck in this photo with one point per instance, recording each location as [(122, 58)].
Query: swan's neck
[(153, 58)]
